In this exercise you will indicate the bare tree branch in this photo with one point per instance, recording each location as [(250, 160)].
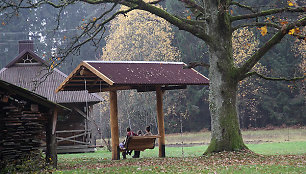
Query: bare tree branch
[(128, 3), (268, 45), (257, 24), (33, 4), (195, 8), (268, 12), (10, 8), (90, 31), (243, 6), (274, 78), (195, 64), (156, 2), (58, 18), (192, 22), (190, 26), (181, 24)]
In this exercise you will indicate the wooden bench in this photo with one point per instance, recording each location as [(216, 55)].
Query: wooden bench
[(139, 143)]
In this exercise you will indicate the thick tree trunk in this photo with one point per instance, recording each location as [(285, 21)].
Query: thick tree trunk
[(226, 135), (225, 126)]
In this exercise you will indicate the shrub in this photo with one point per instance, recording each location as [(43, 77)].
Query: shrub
[(33, 162)]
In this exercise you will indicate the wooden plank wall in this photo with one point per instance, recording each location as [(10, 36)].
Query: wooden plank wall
[(21, 132)]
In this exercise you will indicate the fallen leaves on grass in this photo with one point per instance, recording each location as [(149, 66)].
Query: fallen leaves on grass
[(211, 163)]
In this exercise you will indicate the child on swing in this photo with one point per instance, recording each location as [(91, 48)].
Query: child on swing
[(148, 131), (129, 133)]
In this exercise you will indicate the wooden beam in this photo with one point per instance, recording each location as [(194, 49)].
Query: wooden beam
[(70, 131), (110, 88), (88, 80), (93, 88), (145, 88), (92, 139), (51, 153), (75, 141), (80, 112), (85, 72), (63, 84), (74, 88), (98, 73), (82, 77), (54, 120), (74, 136), (174, 87), (53, 138), (76, 72), (160, 121), (164, 88), (79, 85), (114, 125)]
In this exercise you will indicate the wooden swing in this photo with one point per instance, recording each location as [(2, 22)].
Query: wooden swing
[(138, 143)]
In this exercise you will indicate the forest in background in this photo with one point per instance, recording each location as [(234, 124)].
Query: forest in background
[(262, 103)]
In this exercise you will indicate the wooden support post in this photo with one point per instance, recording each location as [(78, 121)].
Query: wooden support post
[(54, 121), (51, 153), (160, 121), (92, 139), (114, 125)]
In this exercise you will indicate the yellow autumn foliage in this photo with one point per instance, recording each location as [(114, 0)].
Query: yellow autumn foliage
[(290, 3), (140, 36), (294, 30), (244, 45), (263, 30), (299, 50)]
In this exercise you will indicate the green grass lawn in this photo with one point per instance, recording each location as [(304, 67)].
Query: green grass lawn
[(285, 157), (249, 136), (282, 148), (271, 151), (292, 148)]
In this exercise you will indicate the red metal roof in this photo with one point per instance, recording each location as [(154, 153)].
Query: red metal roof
[(148, 73), (100, 76)]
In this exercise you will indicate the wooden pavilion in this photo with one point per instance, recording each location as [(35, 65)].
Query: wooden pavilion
[(75, 129), (24, 117), (111, 76)]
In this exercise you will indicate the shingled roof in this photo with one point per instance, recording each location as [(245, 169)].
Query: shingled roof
[(28, 70), (11, 89), (139, 75)]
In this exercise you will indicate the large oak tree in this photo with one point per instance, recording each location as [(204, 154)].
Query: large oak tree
[(213, 21)]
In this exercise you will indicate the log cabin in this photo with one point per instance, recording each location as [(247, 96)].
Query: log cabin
[(29, 71), (27, 124)]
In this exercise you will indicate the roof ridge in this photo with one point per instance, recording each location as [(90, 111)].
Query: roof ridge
[(60, 72), (20, 55), (153, 62)]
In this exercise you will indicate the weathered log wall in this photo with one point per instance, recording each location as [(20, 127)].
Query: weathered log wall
[(21, 132)]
